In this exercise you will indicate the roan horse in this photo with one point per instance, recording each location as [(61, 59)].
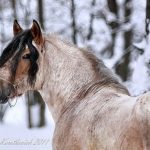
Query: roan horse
[(92, 110)]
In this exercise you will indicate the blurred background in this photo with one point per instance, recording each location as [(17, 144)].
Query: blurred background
[(117, 31)]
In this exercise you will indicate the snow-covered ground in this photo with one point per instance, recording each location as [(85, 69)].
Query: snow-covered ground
[(20, 138), (14, 134)]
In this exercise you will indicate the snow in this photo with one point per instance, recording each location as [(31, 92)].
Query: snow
[(14, 129), (21, 138)]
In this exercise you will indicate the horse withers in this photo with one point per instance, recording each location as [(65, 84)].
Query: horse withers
[(92, 110)]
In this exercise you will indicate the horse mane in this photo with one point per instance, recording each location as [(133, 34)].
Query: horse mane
[(104, 76), (14, 50)]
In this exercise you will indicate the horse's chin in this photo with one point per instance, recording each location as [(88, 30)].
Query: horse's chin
[(19, 95), (16, 95)]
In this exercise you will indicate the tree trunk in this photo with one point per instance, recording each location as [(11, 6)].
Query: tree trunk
[(13, 3), (41, 103), (27, 14), (113, 7), (37, 94), (89, 36), (41, 13), (28, 98), (73, 23), (147, 16), (122, 69), (3, 109)]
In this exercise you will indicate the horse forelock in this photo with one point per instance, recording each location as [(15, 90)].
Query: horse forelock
[(34, 66), (14, 51)]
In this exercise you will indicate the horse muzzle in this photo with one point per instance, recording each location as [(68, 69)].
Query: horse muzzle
[(5, 91), (3, 100)]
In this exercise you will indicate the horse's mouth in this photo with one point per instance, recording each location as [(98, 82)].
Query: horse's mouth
[(3, 100)]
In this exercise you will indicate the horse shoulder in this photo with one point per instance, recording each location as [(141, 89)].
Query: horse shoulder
[(143, 117)]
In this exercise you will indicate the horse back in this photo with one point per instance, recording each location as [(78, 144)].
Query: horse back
[(105, 122)]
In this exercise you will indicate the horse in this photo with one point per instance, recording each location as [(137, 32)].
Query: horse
[(91, 108)]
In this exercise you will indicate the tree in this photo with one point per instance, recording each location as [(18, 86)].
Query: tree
[(33, 98), (90, 33), (37, 94), (2, 111), (13, 3), (73, 22), (41, 13), (147, 19), (113, 24), (122, 67)]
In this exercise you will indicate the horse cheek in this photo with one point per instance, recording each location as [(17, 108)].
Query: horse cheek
[(22, 69)]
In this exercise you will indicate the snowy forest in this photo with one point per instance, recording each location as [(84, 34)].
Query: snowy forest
[(117, 31)]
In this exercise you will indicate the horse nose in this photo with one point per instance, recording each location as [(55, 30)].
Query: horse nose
[(3, 100), (5, 91)]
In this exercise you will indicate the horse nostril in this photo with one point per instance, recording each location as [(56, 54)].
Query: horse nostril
[(4, 100), (5, 92), (4, 96)]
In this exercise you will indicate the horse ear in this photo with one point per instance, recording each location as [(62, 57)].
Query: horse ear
[(36, 33), (16, 28)]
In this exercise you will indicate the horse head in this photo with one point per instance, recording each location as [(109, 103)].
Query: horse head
[(19, 62)]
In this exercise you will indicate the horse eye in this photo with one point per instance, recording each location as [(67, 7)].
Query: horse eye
[(26, 56)]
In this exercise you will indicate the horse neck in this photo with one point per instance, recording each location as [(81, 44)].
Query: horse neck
[(67, 72)]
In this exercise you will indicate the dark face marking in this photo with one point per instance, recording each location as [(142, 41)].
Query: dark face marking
[(19, 61), (15, 53)]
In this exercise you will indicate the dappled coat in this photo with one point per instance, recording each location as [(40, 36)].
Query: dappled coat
[(92, 110)]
